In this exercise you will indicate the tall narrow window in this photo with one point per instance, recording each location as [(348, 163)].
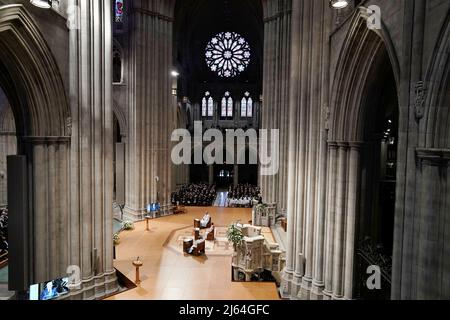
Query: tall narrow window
[(207, 105), (204, 108), (227, 106), (117, 63), (247, 106), (119, 11), (210, 107)]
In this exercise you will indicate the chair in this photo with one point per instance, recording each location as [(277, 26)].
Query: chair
[(197, 224), (196, 234), (210, 234), (187, 244), (199, 248), (179, 209)]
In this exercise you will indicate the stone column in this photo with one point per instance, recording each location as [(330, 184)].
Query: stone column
[(211, 174), (91, 175), (48, 176), (152, 107), (352, 202), (275, 112), (236, 175), (339, 226), (330, 219), (432, 239), (288, 272)]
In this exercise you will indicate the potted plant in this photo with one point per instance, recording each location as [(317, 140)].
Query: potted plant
[(235, 236), (116, 239)]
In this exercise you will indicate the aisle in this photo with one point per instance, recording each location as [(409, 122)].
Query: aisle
[(221, 200)]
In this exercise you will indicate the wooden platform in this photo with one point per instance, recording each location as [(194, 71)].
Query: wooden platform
[(170, 275)]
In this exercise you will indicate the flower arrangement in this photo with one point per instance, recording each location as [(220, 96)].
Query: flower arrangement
[(116, 239), (127, 225)]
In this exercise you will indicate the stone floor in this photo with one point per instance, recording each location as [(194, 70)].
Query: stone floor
[(169, 275)]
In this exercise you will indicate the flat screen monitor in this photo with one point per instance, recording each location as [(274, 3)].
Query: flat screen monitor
[(49, 290), (153, 207)]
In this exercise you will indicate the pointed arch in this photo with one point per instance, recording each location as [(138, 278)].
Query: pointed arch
[(435, 127), (28, 66), (121, 117), (360, 50)]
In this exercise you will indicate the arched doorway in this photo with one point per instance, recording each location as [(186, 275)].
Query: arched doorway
[(361, 164), (31, 81), (375, 221)]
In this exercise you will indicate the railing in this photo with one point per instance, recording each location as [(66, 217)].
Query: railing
[(368, 256)]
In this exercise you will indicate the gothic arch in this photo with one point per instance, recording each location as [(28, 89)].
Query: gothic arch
[(120, 115), (31, 80), (436, 133), (27, 66), (360, 50)]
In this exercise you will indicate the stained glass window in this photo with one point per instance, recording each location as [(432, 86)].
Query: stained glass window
[(119, 11), (243, 108), (210, 107), (228, 54), (246, 106), (227, 106), (204, 108), (207, 105)]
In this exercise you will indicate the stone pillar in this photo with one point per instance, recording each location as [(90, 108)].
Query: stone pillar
[(286, 289), (350, 220), (275, 113), (236, 175), (152, 107), (433, 253), (90, 221), (339, 226), (330, 220), (211, 174), (48, 177)]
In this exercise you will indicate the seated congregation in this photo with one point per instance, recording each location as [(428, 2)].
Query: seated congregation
[(195, 194), (244, 196)]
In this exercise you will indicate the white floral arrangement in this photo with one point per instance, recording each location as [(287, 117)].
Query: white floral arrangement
[(128, 225), (116, 238)]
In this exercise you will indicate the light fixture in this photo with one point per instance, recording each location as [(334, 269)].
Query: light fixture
[(338, 4), (175, 92), (43, 4), (175, 73)]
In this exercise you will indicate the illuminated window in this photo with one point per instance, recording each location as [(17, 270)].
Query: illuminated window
[(247, 106), (118, 9), (227, 106), (227, 54), (207, 105)]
